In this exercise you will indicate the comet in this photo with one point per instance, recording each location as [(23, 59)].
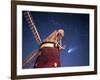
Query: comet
[(71, 50)]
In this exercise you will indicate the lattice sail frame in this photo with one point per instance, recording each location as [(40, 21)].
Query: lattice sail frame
[(33, 27)]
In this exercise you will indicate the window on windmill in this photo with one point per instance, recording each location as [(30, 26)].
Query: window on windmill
[(55, 64)]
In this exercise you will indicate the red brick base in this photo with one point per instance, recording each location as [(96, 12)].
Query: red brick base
[(50, 57)]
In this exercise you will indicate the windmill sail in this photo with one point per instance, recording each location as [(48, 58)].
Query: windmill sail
[(32, 27), (30, 57)]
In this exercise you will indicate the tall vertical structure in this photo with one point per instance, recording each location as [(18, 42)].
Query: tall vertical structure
[(49, 52)]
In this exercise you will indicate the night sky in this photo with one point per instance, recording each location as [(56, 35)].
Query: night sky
[(76, 39)]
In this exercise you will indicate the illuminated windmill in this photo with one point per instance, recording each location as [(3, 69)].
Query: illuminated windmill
[(49, 53)]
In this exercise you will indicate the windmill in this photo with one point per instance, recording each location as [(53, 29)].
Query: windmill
[(49, 53)]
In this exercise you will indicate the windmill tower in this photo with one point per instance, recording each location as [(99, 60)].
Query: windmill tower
[(49, 53)]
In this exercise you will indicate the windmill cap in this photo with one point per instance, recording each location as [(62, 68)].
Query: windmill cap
[(61, 31)]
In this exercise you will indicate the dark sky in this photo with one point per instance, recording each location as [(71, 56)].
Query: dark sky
[(76, 39)]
